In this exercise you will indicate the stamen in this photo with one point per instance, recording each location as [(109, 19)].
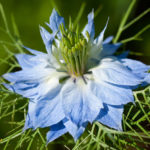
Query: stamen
[(73, 47)]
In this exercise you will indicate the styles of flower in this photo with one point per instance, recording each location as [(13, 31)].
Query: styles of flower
[(78, 81)]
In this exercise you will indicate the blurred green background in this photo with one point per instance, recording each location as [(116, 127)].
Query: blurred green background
[(29, 14)]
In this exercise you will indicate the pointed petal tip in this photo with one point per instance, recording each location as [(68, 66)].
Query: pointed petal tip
[(17, 56), (111, 116), (91, 14), (106, 24), (5, 76), (32, 51), (54, 10), (54, 21), (47, 24), (99, 39), (90, 28), (9, 87), (55, 132), (108, 40), (41, 28)]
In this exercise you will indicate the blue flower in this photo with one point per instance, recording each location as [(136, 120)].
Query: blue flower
[(78, 81)]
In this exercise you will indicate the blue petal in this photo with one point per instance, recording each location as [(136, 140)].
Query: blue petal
[(8, 77), (90, 28), (109, 49), (112, 71), (35, 52), (137, 67), (40, 58), (47, 39), (96, 47), (55, 21), (111, 94), (108, 40), (79, 104), (34, 84), (111, 116), (147, 78), (9, 87), (27, 61), (31, 74), (29, 91), (30, 118), (49, 111), (56, 131), (99, 39), (73, 129), (124, 54)]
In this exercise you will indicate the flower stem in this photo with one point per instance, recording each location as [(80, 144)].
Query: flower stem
[(123, 21)]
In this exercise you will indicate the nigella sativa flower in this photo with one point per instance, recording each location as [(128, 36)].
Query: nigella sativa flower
[(78, 81)]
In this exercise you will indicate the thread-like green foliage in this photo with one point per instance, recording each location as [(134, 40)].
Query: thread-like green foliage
[(136, 117)]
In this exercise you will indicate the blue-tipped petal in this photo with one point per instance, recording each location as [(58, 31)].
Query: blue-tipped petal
[(109, 49), (108, 40), (56, 131), (147, 78), (96, 49), (29, 91), (9, 87), (30, 117), (112, 71), (34, 84), (77, 101), (11, 77), (35, 52), (42, 57), (73, 129), (111, 94), (90, 28), (55, 21), (111, 116), (99, 40), (49, 111), (39, 72), (47, 39), (137, 67), (124, 54), (27, 61), (24, 88)]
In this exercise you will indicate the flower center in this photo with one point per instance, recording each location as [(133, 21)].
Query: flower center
[(73, 47)]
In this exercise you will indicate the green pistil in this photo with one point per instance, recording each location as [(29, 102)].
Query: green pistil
[(73, 47)]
